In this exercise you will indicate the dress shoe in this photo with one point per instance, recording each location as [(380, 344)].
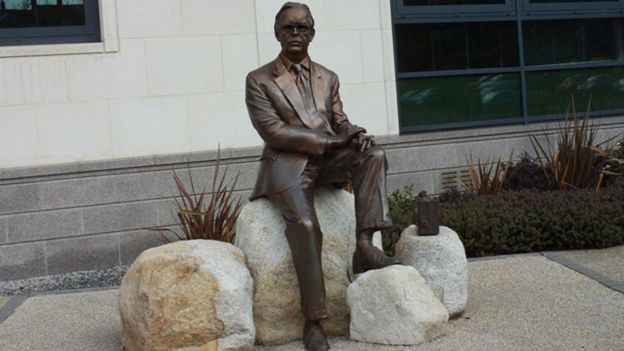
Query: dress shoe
[(371, 257), (314, 337)]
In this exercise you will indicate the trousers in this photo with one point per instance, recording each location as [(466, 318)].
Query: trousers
[(367, 172)]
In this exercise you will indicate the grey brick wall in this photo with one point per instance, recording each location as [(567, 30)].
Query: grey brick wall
[(94, 215)]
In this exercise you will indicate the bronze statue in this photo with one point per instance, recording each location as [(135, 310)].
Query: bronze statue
[(295, 106)]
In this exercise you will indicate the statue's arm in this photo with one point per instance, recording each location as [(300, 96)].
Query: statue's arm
[(340, 121), (272, 129)]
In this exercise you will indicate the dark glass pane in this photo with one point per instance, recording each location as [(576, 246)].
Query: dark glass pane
[(441, 100), (569, 41), (450, 2), (550, 92), (448, 46), (41, 13), (567, 1)]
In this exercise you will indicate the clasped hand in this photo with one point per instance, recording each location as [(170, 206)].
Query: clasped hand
[(364, 141), (356, 137)]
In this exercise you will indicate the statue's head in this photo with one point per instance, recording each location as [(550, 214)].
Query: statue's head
[(294, 29)]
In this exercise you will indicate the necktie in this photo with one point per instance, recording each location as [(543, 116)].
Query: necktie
[(314, 120), (303, 84)]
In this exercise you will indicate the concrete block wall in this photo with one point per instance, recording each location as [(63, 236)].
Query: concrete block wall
[(91, 216), (88, 216)]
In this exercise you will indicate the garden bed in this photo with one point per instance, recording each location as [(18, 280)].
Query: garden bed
[(532, 220)]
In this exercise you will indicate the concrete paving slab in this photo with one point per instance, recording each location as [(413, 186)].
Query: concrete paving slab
[(71, 322), (523, 303), (517, 303), (536, 304), (3, 300), (609, 262)]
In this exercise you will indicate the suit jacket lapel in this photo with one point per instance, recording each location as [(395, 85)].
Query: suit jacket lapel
[(288, 86), (319, 88)]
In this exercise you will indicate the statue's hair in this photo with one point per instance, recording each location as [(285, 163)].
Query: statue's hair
[(292, 5)]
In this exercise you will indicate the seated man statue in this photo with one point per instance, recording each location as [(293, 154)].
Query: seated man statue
[(295, 106)]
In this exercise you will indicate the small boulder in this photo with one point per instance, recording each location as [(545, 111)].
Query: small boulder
[(260, 234), (394, 306), (188, 295), (441, 260)]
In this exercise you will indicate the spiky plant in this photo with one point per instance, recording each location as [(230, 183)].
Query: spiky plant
[(199, 218), (577, 161), (486, 177)]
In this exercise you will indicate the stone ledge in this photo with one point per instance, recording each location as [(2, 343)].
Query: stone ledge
[(247, 154)]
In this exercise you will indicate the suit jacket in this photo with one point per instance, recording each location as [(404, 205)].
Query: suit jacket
[(277, 111)]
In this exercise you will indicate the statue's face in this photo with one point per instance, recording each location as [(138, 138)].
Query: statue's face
[(295, 33)]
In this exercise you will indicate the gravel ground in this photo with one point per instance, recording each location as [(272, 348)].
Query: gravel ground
[(71, 281)]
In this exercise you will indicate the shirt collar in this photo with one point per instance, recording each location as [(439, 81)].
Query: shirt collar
[(288, 64)]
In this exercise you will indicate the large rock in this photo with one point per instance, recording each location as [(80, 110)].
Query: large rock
[(441, 260), (260, 234), (394, 306), (189, 295)]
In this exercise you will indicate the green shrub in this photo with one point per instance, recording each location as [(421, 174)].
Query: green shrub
[(527, 173), (526, 220), (615, 164), (402, 204), (530, 220)]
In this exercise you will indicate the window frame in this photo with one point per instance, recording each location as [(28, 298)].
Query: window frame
[(87, 33), (425, 10), (531, 9)]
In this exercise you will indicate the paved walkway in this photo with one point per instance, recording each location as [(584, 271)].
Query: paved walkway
[(526, 302), (608, 262)]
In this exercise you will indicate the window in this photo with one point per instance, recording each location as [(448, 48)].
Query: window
[(31, 22), (477, 62)]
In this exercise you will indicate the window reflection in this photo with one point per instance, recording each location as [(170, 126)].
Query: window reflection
[(550, 92), (567, 1), (570, 41), (448, 46), (41, 13), (450, 2), (442, 100)]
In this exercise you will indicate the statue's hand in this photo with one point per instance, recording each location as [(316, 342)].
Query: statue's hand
[(336, 141), (364, 141)]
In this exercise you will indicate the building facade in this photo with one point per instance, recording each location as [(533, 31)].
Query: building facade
[(99, 99)]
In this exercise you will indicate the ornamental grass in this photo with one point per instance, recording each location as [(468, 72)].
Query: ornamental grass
[(577, 161), (206, 216)]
